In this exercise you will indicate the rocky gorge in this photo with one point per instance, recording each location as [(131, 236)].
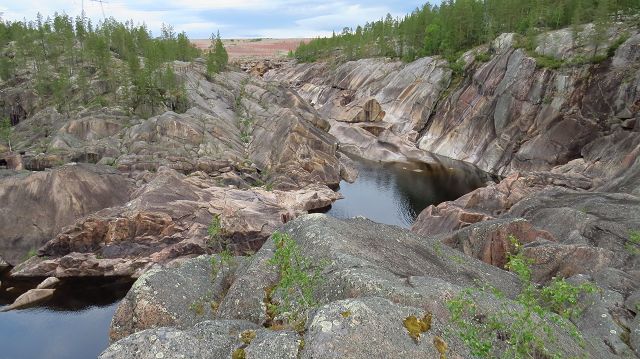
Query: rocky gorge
[(124, 196)]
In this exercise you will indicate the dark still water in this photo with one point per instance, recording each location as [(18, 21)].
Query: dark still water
[(397, 193), (73, 325)]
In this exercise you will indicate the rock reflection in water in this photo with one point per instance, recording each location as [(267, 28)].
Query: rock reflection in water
[(396, 193), (73, 325)]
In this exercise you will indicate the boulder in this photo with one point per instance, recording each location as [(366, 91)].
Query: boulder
[(375, 278), (168, 218), (269, 344), (492, 201), (29, 299), (209, 339), (492, 241), (36, 207), (367, 110), (177, 297), (371, 327), (48, 283)]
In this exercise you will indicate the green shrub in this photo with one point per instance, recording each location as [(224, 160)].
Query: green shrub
[(298, 280), (611, 51), (482, 57), (633, 244), (527, 330), (216, 233)]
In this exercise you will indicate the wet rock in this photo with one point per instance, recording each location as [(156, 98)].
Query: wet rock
[(30, 298), (36, 207), (177, 297), (209, 339), (48, 283)]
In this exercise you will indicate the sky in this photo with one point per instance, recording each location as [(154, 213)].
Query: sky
[(234, 18)]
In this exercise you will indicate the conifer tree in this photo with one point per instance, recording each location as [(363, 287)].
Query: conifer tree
[(217, 58)]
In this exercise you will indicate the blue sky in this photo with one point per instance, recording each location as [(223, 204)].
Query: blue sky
[(234, 18)]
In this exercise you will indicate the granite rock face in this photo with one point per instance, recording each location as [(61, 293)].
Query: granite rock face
[(250, 153), (36, 207), (375, 277)]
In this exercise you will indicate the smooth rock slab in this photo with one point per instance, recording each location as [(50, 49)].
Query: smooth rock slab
[(48, 283), (30, 298)]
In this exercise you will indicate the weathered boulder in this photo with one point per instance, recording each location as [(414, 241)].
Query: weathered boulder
[(269, 344), (210, 339), (177, 297), (369, 327), (48, 283), (29, 299), (492, 201), (603, 221), (36, 207), (168, 218), (375, 277), (492, 241)]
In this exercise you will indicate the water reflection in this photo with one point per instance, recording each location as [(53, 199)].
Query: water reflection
[(45, 333), (396, 193), (74, 324)]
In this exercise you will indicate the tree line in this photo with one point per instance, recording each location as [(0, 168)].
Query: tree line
[(66, 56), (457, 25)]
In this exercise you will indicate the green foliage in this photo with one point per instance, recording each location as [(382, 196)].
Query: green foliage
[(482, 57), (66, 56), (298, 280), (6, 131), (217, 58), (633, 244), (524, 327), (611, 51), (217, 235), (31, 253), (458, 25)]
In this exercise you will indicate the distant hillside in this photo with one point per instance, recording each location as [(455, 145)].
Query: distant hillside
[(255, 48)]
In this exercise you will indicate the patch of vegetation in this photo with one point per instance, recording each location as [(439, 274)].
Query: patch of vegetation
[(456, 26), (633, 243), (248, 336), (611, 51), (197, 307), (293, 295), (74, 62), (482, 57), (31, 253), (525, 328), (217, 58), (217, 235)]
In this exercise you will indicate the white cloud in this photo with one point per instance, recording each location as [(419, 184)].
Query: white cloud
[(282, 18)]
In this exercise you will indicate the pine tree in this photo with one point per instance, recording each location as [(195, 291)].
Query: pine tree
[(217, 59)]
